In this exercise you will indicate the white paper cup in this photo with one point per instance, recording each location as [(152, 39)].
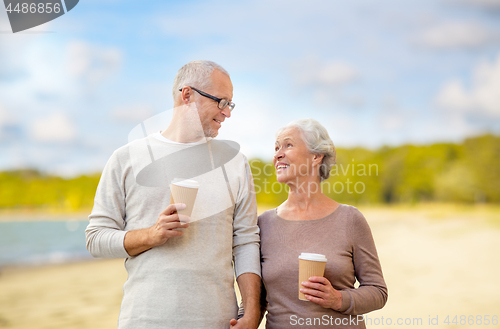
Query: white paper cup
[(184, 191), (310, 265)]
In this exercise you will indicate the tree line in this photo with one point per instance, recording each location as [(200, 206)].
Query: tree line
[(467, 172)]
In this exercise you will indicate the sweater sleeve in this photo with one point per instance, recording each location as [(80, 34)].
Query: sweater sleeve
[(106, 230), (246, 238), (372, 292)]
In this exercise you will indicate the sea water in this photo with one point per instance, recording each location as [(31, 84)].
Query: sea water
[(42, 242)]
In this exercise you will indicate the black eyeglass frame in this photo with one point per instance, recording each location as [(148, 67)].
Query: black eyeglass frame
[(218, 100)]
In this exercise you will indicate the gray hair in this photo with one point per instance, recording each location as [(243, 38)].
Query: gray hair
[(317, 141), (197, 74)]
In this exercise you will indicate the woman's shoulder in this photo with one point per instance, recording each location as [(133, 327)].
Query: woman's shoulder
[(352, 212), (357, 223), (350, 209), (267, 215), (271, 213)]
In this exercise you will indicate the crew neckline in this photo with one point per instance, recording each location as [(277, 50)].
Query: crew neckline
[(308, 220), (157, 135)]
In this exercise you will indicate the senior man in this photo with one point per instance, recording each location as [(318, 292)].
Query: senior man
[(180, 275)]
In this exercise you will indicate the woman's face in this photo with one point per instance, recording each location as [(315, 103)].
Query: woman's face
[(292, 160)]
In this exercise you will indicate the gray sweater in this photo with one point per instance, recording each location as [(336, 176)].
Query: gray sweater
[(345, 238), (188, 281)]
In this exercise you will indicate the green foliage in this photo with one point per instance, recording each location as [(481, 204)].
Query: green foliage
[(29, 189), (468, 172)]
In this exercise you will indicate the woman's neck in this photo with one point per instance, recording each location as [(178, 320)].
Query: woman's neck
[(306, 201)]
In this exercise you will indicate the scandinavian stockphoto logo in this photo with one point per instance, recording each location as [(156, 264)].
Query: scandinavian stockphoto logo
[(25, 14), (214, 164)]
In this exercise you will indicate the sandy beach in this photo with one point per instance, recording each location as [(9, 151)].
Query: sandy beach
[(437, 261), (80, 295)]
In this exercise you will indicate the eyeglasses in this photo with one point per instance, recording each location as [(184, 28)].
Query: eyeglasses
[(222, 103)]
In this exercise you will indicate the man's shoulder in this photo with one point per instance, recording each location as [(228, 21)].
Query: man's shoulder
[(136, 143), (228, 154), (123, 153)]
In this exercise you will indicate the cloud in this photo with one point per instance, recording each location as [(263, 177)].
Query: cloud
[(57, 127), (331, 73), (327, 80), (55, 103), (457, 35), (483, 97), (253, 122), (11, 66), (342, 100), (454, 96), (9, 128), (5, 116), (391, 116), (135, 113), (92, 64), (487, 4)]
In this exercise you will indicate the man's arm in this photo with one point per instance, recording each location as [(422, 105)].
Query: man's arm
[(249, 284), (246, 250), (106, 236), (106, 229)]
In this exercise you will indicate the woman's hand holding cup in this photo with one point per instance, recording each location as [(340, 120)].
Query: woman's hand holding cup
[(320, 291)]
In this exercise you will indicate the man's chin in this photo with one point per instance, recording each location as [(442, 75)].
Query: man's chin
[(211, 133)]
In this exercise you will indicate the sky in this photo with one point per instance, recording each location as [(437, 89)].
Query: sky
[(373, 72)]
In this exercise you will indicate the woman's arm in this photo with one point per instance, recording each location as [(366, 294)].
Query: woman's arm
[(372, 292)]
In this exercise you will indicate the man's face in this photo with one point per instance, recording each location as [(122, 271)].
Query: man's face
[(211, 116)]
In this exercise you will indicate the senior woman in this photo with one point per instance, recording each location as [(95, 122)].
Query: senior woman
[(309, 221)]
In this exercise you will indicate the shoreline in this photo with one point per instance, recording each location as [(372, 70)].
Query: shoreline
[(43, 215), (430, 210), (26, 267)]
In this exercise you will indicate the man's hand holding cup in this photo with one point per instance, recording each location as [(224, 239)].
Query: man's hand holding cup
[(168, 224)]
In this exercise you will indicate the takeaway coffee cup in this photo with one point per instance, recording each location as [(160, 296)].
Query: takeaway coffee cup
[(310, 265), (184, 191)]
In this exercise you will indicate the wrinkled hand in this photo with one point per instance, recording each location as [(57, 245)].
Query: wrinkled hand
[(242, 323), (320, 291), (167, 225)]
